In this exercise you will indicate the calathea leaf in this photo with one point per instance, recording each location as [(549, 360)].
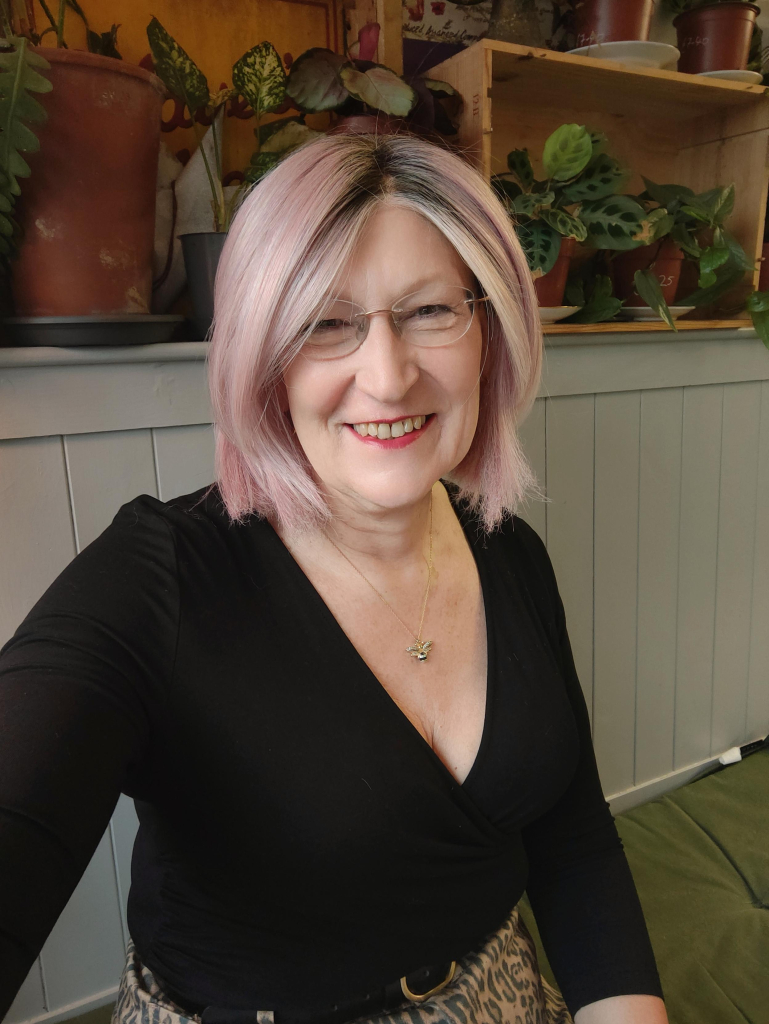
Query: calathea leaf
[(602, 177), (541, 244), (260, 79), (519, 165), (613, 222), (564, 224), (313, 83), (530, 204), (178, 71), (379, 88), (567, 152), (506, 190)]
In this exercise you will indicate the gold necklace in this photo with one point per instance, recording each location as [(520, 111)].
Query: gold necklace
[(420, 648)]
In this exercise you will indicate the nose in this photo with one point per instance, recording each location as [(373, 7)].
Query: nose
[(387, 367)]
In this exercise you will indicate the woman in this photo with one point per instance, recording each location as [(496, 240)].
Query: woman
[(338, 685)]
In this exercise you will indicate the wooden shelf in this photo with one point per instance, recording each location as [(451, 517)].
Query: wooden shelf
[(629, 327), (663, 125)]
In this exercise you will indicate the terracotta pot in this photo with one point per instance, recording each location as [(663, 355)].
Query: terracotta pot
[(550, 286), (663, 257), (88, 208), (606, 21), (715, 37)]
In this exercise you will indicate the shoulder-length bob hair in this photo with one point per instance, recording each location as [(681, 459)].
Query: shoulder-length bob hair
[(291, 236)]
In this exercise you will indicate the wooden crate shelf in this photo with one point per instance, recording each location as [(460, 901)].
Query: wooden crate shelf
[(625, 327), (668, 126)]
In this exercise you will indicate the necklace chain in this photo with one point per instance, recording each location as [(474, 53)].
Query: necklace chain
[(422, 647)]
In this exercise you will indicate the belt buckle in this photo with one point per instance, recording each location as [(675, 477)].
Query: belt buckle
[(420, 997)]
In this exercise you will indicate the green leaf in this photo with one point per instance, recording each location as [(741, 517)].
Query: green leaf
[(439, 88), (602, 177), (176, 69), (259, 77), (17, 81), (289, 137), (519, 165), (529, 204), (567, 152), (685, 240), (599, 141), (758, 302), (738, 258), (600, 306), (710, 260), (380, 89), (574, 293), (727, 277), (716, 203), (697, 212), (648, 287), (541, 244), (313, 83), (760, 320), (613, 222), (260, 164), (661, 223), (564, 224), (666, 195)]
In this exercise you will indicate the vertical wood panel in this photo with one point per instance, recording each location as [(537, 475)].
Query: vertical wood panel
[(734, 581), (617, 438), (757, 717), (106, 470), (184, 459), (570, 471), (698, 545), (36, 540), (658, 523), (84, 954), (533, 439)]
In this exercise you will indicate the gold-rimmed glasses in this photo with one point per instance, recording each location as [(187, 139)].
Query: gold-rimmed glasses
[(437, 314)]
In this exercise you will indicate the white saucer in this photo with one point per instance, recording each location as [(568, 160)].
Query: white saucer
[(549, 314), (749, 77), (636, 52), (645, 313)]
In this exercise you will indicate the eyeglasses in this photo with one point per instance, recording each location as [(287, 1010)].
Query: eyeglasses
[(437, 314)]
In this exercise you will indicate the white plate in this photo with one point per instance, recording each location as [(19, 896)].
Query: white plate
[(549, 314), (647, 313), (750, 77), (637, 52)]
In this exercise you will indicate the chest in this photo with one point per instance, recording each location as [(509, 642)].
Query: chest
[(443, 697)]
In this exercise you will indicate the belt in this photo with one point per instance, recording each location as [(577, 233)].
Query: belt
[(415, 988)]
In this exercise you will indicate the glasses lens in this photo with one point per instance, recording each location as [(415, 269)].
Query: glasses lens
[(437, 314), (337, 332)]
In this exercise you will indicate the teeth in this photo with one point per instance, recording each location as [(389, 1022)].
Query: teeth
[(383, 431)]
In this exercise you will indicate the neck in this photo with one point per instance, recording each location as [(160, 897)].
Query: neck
[(390, 535)]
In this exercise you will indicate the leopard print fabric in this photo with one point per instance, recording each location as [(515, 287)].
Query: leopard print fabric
[(499, 983)]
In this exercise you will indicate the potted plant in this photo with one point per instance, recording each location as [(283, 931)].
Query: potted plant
[(713, 36), (576, 202), (361, 94), (82, 231)]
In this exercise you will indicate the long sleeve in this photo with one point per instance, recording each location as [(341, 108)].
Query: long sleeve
[(81, 684), (580, 886)]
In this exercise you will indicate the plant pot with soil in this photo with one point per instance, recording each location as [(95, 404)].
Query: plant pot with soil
[(714, 36)]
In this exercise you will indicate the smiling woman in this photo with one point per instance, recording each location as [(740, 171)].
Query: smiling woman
[(338, 682)]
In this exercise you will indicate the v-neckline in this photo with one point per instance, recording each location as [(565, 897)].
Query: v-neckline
[(467, 526)]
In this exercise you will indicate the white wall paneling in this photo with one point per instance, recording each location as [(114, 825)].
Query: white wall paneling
[(654, 454)]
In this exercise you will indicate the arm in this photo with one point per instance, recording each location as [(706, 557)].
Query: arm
[(80, 687), (580, 886)]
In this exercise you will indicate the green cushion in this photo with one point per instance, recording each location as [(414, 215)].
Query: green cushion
[(700, 859)]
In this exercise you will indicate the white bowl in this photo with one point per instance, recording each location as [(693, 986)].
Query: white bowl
[(549, 314), (749, 77), (637, 52), (646, 313)]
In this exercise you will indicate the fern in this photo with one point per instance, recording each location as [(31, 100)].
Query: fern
[(19, 77)]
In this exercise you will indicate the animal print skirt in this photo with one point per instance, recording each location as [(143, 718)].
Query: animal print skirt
[(499, 983)]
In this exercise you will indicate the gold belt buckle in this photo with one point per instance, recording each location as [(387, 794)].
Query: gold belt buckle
[(417, 997)]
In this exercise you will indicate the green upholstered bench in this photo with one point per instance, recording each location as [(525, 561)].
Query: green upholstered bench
[(700, 859)]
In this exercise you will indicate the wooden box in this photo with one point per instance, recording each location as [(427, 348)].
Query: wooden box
[(668, 126)]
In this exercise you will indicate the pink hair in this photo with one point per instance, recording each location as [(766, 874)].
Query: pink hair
[(290, 237)]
